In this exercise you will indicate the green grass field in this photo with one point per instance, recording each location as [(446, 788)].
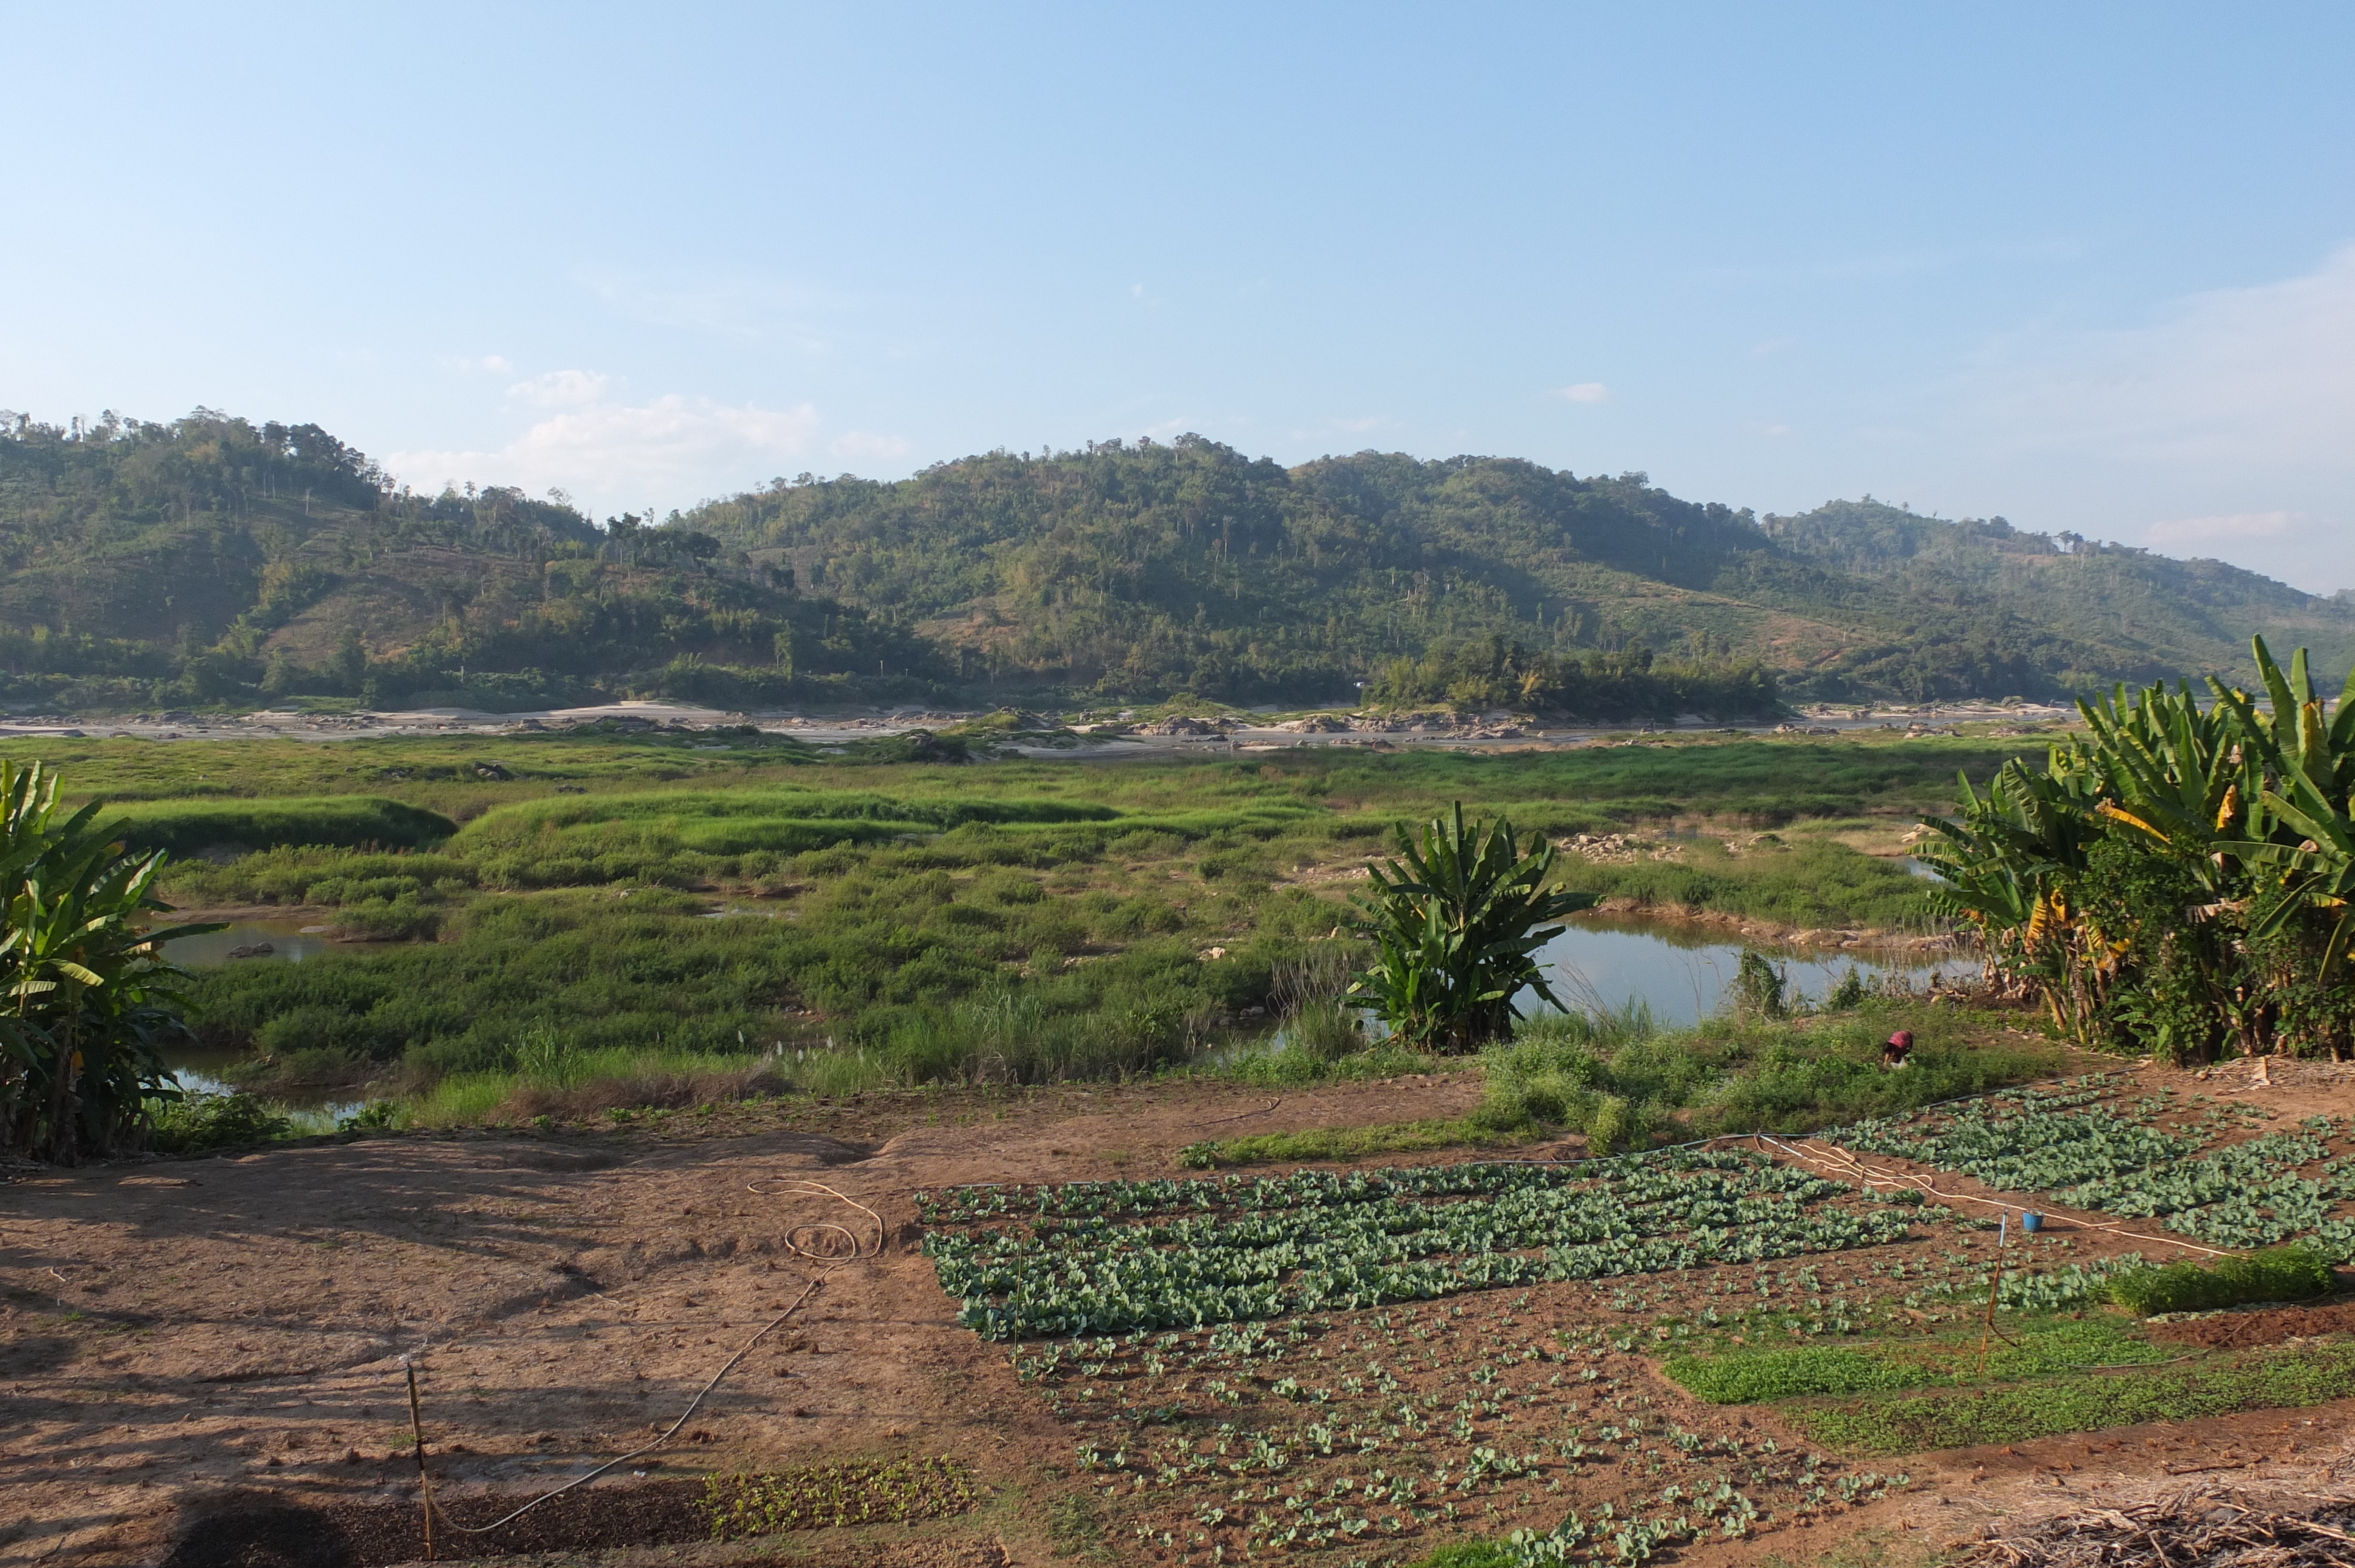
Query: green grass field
[(728, 894)]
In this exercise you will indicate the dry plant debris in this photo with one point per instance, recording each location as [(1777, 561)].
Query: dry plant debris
[(2191, 1527)]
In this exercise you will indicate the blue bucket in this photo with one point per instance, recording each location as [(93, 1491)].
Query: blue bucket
[(2030, 1222)]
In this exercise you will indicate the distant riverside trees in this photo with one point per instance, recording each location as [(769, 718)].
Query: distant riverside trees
[(1630, 685)]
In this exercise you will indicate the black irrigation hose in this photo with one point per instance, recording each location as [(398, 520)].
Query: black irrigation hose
[(858, 1254)]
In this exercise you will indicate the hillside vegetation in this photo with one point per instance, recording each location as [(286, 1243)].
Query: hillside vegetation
[(212, 561)]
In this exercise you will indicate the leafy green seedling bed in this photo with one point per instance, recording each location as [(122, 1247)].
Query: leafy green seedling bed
[(2092, 1146), (894, 1491), (1763, 1376), (1195, 1253), (2275, 1379)]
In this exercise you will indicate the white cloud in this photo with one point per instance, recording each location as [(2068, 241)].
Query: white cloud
[(495, 363), (1584, 392), (2239, 527), (561, 388), (613, 455), (2260, 375), (862, 444), (2201, 430)]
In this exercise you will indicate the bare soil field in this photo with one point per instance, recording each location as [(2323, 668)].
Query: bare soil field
[(203, 1361)]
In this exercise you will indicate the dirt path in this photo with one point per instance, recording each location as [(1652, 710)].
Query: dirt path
[(174, 1326)]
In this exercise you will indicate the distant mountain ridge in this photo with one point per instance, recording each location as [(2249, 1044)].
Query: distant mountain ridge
[(212, 560)]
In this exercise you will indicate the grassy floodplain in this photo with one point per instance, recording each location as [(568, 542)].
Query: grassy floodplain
[(679, 914)]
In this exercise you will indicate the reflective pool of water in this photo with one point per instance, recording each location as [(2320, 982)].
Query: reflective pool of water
[(250, 941), (253, 942), (1683, 972)]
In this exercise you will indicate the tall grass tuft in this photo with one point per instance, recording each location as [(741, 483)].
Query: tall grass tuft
[(1625, 1083), (1010, 1037), (1587, 1071), (2281, 1274), (563, 1083)]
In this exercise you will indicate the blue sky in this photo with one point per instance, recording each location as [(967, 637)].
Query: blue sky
[(2087, 267)]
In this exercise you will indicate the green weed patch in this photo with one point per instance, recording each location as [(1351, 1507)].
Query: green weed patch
[(1765, 1376), (1623, 1084), (2285, 1273), (2275, 1379), (900, 1491), (190, 828), (200, 1122)]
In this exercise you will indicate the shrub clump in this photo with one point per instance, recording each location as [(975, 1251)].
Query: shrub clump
[(198, 1122), (1627, 1084), (2278, 1273)]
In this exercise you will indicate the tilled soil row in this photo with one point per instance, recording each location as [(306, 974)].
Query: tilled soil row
[(264, 1529)]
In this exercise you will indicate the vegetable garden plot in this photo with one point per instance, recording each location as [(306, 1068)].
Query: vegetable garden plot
[(1115, 1257), (1376, 1433), (2094, 1147), (1296, 1364)]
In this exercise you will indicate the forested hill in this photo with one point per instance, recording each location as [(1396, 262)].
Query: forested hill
[(2176, 614), (1150, 566), (212, 560)]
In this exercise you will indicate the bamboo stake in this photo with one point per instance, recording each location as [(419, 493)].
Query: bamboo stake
[(1994, 1285), (424, 1481)]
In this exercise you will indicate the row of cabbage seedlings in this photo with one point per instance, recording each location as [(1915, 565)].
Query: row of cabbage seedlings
[(1392, 1239), (2261, 1192)]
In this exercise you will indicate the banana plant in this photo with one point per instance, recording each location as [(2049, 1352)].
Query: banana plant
[(2170, 772), (1456, 921), (2010, 866), (2317, 872), (2141, 878), (89, 1001), (2296, 737), (2302, 835)]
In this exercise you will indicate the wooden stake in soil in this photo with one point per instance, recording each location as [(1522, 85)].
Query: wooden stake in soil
[(424, 1482), (1995, 1284)]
